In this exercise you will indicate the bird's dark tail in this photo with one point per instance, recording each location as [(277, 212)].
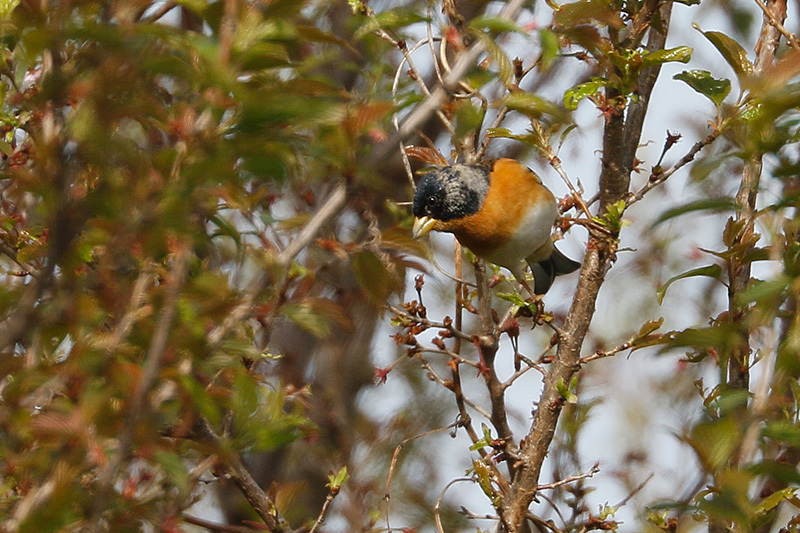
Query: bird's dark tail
[(544, 272)]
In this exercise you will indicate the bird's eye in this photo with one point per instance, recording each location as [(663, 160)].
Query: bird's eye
[(432, 201)]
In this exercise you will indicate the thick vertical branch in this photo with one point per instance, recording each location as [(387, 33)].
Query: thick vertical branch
[(620, 140), (738, 266), (738, 361)]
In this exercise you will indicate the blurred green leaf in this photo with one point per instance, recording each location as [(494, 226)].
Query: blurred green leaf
[(714, 205), (495, 24), (710, 271), (783, 432), (373, 277), (533, 106), (468, 120), (548, 41), (7, 7), (174, 468), (715, 442), (391, 19), (504, 66)]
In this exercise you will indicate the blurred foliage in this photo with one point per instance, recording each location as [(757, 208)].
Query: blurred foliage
[(143, 152), (158, 161)]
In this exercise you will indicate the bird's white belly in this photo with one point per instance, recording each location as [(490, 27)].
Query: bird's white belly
[(532, 235)]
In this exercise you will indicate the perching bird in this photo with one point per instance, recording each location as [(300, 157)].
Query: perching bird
[(501, 211)]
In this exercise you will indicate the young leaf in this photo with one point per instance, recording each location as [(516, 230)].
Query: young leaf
[(702, 82), (645, 331), (335, 481), (680, 54), (496, 24), (612, 218), (573, 96), (504, 66), (715, 205), (533, 106), (710, 271), (566, 392), (548, 41), (734, 54)]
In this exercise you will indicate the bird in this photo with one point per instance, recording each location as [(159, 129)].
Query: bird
[(501, 211)]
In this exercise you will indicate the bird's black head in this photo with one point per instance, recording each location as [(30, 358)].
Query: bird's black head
[(451, 192)]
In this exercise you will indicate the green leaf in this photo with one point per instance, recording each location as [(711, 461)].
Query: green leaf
[(7, 7), (389, 20), (504, 67), (496, 24), (484, 475), (567, 392), (702, 82), (204, 404), (514, 298), (468, 120), (612, 218), (776, 498), (548, 41), (533, 106), (373, 277), (783, 432), (573, 96), (317, 316), (335, 481), (715, 205), (643, 336), (680, 54), (710, 271), (484, 441), (175, 469), (715, 441), (765, 292), (732, 51), (518, 302)]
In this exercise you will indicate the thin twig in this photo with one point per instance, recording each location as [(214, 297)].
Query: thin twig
[(600, 354), (332, 493), (572, 479), (634, 492), (241, 477), (216, 527), (393, 463), (437, 518), (453, 330), (438, 379), (659, 178)]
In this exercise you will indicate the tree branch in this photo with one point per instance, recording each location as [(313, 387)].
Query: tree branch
[(240, 476), (620, 140)]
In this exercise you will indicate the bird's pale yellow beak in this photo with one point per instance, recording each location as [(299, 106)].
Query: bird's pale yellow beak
[(422, 226)]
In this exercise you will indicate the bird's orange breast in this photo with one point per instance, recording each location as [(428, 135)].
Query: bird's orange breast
[(514, 191)]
